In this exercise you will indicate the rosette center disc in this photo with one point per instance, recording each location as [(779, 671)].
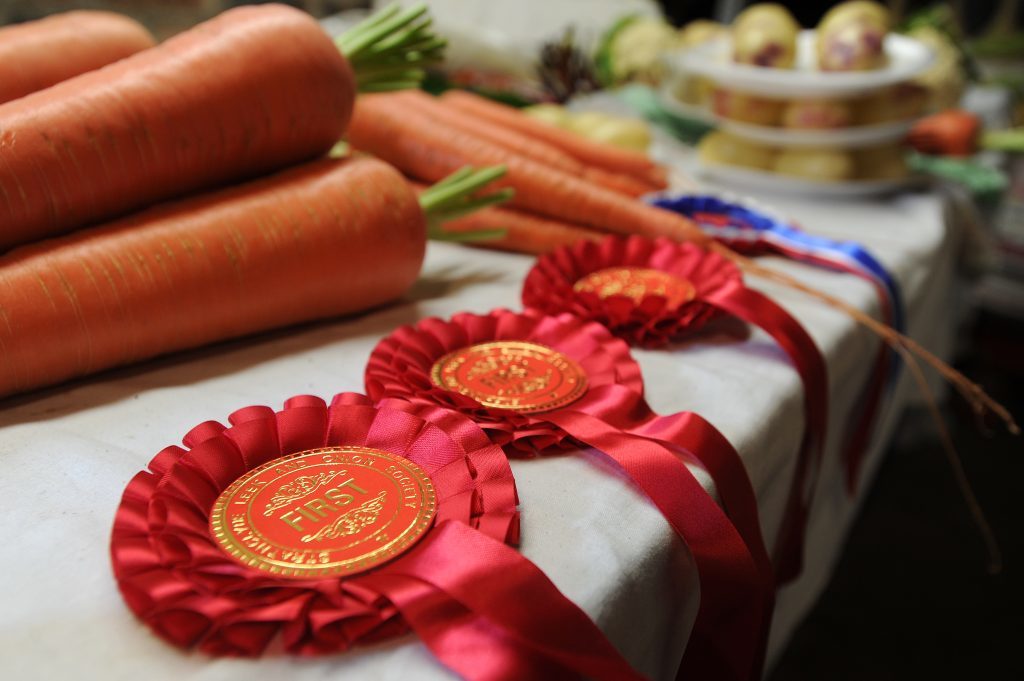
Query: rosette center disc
[(514, 375), (322, 512), (636, 283)]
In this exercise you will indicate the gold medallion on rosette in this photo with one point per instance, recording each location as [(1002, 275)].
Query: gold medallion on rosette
[(333, 511), (636, 283), (515, 375)]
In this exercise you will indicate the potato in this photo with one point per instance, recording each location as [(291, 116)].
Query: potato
[(816, 114), (815, 164), (629, 133), (636, 51), (694, 90), (898, 103), (720, 148), (549, 113), (739, 106), (765, 35), (700, 31), (851, 37), (886, 162)]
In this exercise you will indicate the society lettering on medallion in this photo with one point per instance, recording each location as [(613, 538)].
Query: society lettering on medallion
[(636, 283), (516, 375), (331, 511)]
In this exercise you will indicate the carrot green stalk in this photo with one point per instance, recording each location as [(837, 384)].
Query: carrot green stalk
[(453, 198), (37, 54), (389, 50), (251, 91), (327, 238)]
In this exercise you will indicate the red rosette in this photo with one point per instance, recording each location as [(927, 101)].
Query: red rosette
[(649, 310), (401, 364), (178, 580), (453, 586), (415, 362), (647, 319)]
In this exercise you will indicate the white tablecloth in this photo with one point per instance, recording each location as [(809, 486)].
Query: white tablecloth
[(68, 452)]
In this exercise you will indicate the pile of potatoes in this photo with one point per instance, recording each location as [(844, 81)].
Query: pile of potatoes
[(849, 37), (823, 164)]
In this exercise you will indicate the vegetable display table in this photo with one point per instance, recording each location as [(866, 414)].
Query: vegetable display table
[(68, 452)]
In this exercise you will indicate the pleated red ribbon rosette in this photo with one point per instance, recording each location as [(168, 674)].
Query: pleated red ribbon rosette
[(651, 292), (460, 587), (553, 382)]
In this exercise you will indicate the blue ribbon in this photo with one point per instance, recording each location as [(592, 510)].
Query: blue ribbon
[(745, 224)]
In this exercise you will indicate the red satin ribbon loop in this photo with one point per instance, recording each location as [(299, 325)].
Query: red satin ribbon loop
[(736, 575), (495, 583), (758, 309), (735, 601), (473, 600), (654, 320)]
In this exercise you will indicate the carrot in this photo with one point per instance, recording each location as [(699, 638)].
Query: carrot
[(593, 153), (323, 239), (420, 147), (524, 233), (38, 54), (253, 90), (953, 132), (516, 142), (513, 230)]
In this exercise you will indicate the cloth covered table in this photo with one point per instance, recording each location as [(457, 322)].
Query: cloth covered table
[(68, 452)]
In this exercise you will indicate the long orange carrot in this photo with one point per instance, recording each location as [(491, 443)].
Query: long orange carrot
[(255, 89), (323, 239), (593, 153), (38, 54), (524, 233), (421, 147), (523, 145)]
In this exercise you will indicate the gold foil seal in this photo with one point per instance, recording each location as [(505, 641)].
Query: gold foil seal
[(515, 375), (636, 283), (324, 512)]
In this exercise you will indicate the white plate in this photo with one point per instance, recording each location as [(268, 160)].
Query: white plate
[(681, 108), (854, 136), (763, 180), (907, 58)]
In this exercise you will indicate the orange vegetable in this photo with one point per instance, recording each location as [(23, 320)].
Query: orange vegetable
[(524, 145), (253, 90), (524, 232), (953, 132), (606, 156), (38, 54), (422, 148), (323, 239)]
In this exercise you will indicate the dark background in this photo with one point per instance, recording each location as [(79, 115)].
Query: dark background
[(911, 597), (975, 17)]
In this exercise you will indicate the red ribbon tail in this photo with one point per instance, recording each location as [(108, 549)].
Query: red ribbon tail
[(489, 614), (756, 308), (734, 598), (699, 439)]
